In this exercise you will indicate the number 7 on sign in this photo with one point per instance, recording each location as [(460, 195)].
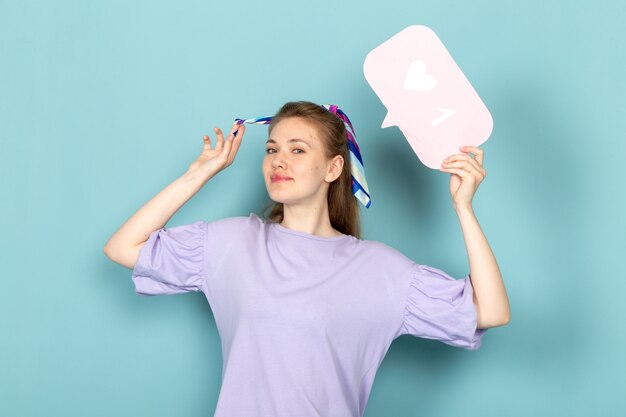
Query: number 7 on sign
[(447, 113)]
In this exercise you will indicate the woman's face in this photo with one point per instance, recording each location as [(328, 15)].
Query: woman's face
[(295, 168)]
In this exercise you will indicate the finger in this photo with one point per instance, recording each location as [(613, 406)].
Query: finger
[(234, 130), (466, 176), (459, 166), (232, 151), (230, 137), (459, 160), (236, 142), (476, 151), (220, 139), (461, 157), (224, 150), (466, 167), (207, 141)]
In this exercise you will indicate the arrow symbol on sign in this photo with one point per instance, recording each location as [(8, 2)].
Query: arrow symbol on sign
[(446, 114)]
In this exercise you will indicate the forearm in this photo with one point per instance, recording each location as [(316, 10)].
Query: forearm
[(490, 296), (155, 213)]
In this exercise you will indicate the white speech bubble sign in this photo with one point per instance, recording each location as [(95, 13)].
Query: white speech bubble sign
[(426, 95)]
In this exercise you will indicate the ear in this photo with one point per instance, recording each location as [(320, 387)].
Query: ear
[(335, 166)]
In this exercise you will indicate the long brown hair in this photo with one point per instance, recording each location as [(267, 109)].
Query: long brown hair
[(343, 206)]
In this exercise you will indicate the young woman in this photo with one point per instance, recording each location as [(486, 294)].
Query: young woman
[(305, 309)]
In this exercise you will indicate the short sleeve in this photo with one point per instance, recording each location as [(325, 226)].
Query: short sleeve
[(171, 261), (441, 307)]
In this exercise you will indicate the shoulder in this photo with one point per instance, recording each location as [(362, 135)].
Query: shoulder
[(375, 246), (384, 254), (237, 225), (236, 221)]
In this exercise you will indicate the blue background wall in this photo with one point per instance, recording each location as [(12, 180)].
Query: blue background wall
[(103, 104)]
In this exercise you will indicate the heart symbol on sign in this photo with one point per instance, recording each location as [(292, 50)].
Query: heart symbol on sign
[(416, 78)]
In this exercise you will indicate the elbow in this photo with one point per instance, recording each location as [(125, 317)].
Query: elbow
[(126, 256), (495, 316), (505, 320), (502, 321), (494, 321), (110, 252), (108, 247), (506, 316)]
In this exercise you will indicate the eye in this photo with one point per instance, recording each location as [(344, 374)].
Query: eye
[(272, 150)]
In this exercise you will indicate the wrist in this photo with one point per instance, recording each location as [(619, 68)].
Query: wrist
[(464, 207), (196, 177)]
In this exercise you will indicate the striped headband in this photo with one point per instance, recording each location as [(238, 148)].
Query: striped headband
[(359, 184)]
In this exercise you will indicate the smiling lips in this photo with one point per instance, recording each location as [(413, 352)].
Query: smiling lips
[(279, 178)]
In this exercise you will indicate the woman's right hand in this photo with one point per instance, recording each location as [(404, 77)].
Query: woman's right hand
[(212, 161)]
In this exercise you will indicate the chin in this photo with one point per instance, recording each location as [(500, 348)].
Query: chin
[(282, 197), (276, 197)]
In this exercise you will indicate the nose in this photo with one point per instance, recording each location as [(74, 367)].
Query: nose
[(278, 161)]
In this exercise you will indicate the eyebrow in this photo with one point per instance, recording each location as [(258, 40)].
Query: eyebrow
[(290, 141)]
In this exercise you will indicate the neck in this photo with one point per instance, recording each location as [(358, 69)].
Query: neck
[(312, 220)]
